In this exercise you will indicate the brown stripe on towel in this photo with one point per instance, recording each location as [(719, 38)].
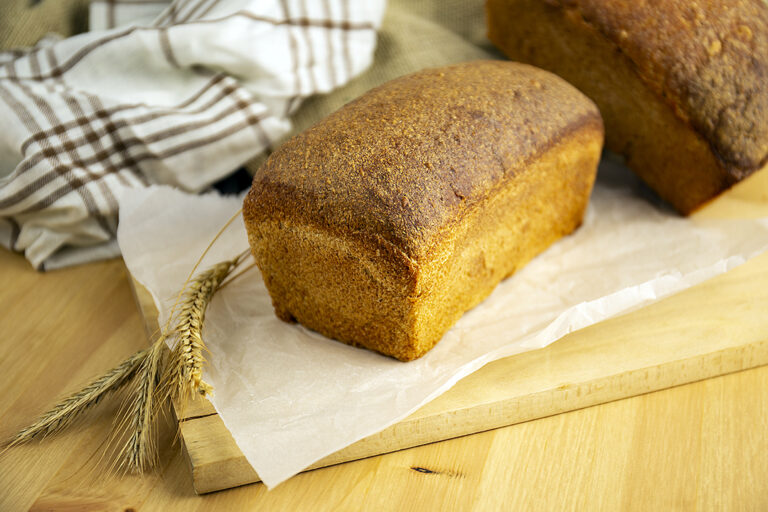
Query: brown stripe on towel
[(193, 12), (295, 22), (295, 59), (121, 148), (71, 61), (301, 22), (345, 39), (310, 51), (77, 110), (329, 45), (115, 125), (167, 16), (249, 121), (208, 9), (110, 13), (15, 232), (71, 180), (165, 44), (50, 132)]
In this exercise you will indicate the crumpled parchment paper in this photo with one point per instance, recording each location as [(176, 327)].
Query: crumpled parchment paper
[(290, 396)]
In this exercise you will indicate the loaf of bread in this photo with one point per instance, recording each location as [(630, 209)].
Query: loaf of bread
[(382, 224), (681, 84)]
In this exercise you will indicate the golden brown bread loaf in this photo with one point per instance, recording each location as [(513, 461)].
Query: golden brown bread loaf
[(682, 84), (382, 224)]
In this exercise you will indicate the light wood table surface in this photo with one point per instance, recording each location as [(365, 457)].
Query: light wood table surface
[(703, 446)]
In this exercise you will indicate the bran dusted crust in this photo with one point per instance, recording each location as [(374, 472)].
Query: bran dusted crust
[(405, 159), (704, 61), (382, 224)]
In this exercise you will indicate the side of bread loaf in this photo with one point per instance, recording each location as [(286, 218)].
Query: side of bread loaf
[(382, 224), (682, 84)]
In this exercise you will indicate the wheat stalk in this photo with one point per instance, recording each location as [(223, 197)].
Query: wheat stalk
[(139, 451), (155, 380), (72, 407), (183, 376), (179, 377)]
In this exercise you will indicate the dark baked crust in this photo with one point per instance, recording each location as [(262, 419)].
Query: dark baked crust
[(707, 58), (381, 225), (442, 144), (658, 113)]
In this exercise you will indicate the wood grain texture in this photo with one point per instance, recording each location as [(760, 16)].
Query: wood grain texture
[(700, 446), (715, 328)]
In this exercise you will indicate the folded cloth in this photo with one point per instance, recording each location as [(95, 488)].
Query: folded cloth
[(184, 100)]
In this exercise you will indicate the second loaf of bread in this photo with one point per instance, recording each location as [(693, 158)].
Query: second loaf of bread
[(682, 84), (382, 224)]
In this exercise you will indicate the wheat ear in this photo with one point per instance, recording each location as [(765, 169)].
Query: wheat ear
[(156, 380), (138, 414), (179, 377), (183, 377), (70, 408)]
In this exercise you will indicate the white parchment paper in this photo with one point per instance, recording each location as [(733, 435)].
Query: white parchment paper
[(290, 396)]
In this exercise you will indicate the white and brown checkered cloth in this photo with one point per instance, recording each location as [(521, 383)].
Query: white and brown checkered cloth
[(180, 94)]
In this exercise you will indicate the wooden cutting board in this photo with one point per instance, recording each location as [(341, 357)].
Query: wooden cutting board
[(718, 327)]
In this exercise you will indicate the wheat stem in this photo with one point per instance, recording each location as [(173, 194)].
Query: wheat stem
[(183, 375), (154, 379), (64, 413), (243, 271), (197, 264), (139, 451)]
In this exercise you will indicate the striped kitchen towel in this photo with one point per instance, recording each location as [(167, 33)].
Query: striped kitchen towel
[(156, 93)]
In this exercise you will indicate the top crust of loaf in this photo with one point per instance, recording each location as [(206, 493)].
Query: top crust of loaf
[(708, 59), (405, 160)]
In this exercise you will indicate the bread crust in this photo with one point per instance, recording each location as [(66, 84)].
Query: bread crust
[(704, 60), (401, 163), (367, 226), (707, 58)]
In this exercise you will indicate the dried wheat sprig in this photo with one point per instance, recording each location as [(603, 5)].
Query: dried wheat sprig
[(70, 408), (140, 452), (156, 380), (238, 259), (243, 271), (184, 371)]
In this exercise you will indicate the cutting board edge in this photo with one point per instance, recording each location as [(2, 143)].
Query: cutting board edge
[(732, 359)]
